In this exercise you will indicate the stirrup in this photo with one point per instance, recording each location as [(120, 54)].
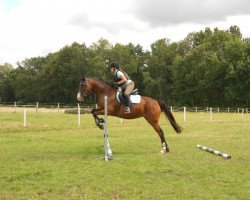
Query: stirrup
[(134, 92), (127, 110)]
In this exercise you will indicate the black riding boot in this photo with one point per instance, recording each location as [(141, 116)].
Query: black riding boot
[(127, 103)]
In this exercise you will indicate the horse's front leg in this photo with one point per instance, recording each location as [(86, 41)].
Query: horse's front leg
[(98, 121)]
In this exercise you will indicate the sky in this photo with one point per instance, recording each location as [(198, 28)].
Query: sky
[(31, 28)]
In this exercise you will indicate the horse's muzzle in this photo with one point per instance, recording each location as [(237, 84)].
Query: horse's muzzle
[(79, 96)]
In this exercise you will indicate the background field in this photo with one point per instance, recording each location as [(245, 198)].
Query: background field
[(54, 159)]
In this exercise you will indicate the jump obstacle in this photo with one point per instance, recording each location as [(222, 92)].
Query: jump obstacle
[(224, 155), (24, 117), (108, 153)]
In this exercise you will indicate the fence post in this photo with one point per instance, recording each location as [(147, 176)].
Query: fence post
[(58, 107), (37, 104), (211, 113), (184, 114), (15, 106)]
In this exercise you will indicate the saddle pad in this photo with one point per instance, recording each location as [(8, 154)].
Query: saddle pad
[(133, 98)]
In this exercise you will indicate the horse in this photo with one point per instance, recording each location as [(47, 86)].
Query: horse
[(148, 108)]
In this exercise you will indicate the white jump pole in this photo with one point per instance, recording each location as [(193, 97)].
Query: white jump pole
[(24, 117), (184, 114), (108, 153), (79, 115)]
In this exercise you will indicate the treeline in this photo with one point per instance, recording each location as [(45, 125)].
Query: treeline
[(207, 68)]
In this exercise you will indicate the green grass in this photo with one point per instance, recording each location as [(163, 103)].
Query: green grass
[(54, 159)]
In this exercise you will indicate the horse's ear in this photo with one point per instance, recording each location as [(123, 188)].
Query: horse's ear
[(82, 78)]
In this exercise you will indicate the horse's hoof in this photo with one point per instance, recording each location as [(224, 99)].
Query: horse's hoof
[(164, 151), (101, 126), (101, 120)]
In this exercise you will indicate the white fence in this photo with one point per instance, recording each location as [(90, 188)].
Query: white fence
[(78, 109), (62, 107), (37, 107), (209, 109)]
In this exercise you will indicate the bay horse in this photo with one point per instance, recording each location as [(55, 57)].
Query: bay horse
[(148, 108)]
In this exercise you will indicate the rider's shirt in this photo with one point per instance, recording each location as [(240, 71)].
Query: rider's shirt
[(117, 77)]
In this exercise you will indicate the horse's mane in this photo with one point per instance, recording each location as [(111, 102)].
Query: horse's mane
[(103, 81)]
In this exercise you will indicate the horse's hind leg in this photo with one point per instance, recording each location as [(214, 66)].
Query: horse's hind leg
[(164, 145)]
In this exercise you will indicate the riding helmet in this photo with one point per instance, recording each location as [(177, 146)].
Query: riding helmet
[(113, 64)]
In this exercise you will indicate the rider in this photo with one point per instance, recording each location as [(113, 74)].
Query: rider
[(124, 82)]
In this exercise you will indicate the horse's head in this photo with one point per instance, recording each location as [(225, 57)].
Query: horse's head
[(84, 89)]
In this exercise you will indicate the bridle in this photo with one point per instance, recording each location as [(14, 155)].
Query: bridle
[(86, 89)]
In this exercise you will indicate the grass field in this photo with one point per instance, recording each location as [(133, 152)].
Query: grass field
[(54, 159)]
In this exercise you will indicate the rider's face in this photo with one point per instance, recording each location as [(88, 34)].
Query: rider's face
[(112, 70)]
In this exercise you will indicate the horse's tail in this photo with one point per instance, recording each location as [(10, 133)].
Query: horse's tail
[(169, 115)]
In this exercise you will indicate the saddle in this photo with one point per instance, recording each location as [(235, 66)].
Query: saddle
[(134, 96)]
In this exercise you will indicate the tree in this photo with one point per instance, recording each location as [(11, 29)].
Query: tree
[(97, 55), (6, 88), (159, 68), (235, 31), (209, 67), (201, 73), (238, 72), (62, 72)]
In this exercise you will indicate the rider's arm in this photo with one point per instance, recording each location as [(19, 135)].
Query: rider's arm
[(122, 79)]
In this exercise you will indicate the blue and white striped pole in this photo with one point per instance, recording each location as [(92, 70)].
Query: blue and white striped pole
[(108, 152), (224, 155)]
